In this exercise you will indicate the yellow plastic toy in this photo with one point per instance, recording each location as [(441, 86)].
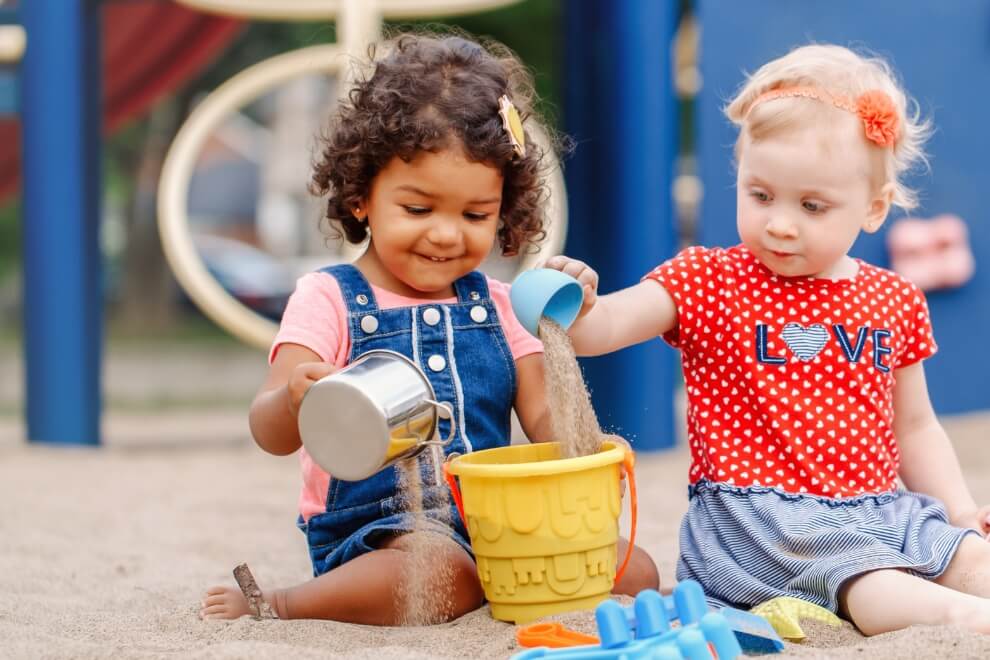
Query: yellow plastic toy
[(543, 529), (785, 613)]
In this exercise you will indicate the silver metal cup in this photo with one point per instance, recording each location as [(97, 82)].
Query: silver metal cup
[(376, 411)]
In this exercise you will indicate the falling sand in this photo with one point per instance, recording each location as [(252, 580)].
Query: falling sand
[(426, 591), (572, 417)]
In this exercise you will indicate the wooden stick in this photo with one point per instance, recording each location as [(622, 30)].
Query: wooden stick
[(260, 608)]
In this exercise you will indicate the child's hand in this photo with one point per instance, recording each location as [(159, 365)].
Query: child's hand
[(983, 521), (582, 273), (304, 375), (979, 521)]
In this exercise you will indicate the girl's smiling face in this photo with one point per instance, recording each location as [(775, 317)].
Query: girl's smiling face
[(804, 195), (432, 219)]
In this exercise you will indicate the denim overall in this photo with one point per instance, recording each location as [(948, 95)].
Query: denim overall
[(464, 354)]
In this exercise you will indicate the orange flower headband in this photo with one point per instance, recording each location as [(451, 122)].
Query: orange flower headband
[(874, 107)]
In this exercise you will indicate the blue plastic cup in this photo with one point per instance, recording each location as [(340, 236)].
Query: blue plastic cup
[(545, 292)]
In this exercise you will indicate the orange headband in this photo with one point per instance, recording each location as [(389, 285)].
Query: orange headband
[(874, 107)]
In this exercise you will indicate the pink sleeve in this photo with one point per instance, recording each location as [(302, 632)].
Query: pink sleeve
[(521, 343), (315, 317)]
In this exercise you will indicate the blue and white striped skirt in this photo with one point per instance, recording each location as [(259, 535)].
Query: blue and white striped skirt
[(748, 545)]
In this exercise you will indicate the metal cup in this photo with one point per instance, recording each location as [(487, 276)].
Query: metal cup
[(374, 412)]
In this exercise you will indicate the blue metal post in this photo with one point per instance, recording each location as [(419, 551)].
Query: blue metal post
[(622, 112), (8, 81), (63, 310)]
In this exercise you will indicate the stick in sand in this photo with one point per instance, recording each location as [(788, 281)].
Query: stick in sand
[(260, 609)]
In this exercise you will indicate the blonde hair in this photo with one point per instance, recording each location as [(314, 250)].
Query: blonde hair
[(837, 70)]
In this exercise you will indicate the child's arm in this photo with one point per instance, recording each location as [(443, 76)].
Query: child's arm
[(531, 399), (274, 411), (928, 462), (608, 323)]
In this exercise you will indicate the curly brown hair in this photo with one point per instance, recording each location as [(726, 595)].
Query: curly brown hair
[(424, 91)]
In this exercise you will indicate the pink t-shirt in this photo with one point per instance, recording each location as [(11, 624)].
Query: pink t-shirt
[(316, 317)]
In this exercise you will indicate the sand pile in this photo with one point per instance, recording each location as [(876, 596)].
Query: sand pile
[(105, 553)]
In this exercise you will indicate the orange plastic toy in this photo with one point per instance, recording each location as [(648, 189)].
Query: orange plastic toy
[(552, 635)]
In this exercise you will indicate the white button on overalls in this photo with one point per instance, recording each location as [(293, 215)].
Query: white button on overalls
[(479, 314), (436, 362), (431, 315), (369, 324)]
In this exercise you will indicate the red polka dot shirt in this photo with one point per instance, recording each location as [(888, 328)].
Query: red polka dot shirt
[(790, 380)]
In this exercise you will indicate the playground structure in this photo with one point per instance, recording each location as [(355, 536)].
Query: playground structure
[(621, 109), (76, 417), (58, 93)]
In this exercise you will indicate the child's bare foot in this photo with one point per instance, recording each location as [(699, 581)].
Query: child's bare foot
[(224, 603)]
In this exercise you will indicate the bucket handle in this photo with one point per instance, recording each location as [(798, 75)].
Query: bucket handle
[(455, 491), (628, 461)]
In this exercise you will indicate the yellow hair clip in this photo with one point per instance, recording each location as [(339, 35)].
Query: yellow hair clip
[(513, 125)]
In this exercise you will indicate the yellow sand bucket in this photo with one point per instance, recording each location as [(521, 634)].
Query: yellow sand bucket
[(543, 529)]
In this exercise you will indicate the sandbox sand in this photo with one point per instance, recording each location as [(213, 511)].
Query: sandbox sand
[(104, 553)]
